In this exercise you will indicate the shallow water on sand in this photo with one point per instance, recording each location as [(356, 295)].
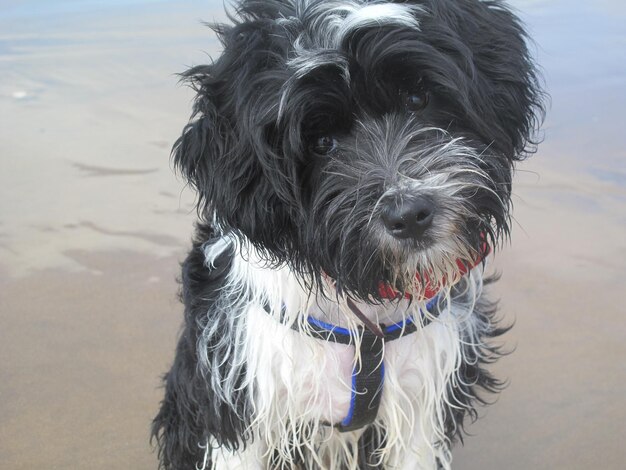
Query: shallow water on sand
[(93, 223)]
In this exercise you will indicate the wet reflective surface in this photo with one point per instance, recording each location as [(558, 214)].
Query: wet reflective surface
[(93, 224), (563, 276)]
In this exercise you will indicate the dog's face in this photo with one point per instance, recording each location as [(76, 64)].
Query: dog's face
[(367, 140)]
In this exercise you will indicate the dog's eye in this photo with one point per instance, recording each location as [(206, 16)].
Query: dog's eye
[(416, 101), (324, 145)]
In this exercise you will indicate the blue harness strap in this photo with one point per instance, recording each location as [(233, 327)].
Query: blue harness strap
[(367, 384), (368, 376)]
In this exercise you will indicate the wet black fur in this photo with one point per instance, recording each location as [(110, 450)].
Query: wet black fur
[(189, 413), (257, 177), (475, 380), (472, 58)]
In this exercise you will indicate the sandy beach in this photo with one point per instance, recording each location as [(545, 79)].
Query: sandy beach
[(93, 225)]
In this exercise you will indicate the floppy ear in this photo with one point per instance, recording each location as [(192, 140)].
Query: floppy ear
[(489, 45), (508, 79), (501, 55), (205, 138)]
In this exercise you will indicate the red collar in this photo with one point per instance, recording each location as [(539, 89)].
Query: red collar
[(430, 290)]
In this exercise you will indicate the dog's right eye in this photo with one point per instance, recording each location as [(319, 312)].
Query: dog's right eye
[(324, 145), (417, 101)]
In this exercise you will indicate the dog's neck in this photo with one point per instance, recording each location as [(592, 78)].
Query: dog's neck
[(286, 299)]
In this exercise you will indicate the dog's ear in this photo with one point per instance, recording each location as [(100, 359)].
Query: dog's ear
[(509, 89), (500, 91), (206, 136), (229, 151)]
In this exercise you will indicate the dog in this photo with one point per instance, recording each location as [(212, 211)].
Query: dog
[(353, 163)]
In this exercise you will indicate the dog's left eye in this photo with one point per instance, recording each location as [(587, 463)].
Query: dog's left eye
[(324, 145), (416, 101)]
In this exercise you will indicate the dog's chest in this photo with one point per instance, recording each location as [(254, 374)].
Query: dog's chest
[(296, 376)]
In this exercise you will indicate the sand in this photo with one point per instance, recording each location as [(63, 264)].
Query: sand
[(93, 224)]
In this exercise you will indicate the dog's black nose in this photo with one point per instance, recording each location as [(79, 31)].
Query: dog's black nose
[(408, 217)]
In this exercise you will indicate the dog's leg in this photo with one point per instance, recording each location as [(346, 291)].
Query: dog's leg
[(204, 402), (179, 426)]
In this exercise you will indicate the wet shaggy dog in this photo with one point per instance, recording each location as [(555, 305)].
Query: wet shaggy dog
[(353, 163)]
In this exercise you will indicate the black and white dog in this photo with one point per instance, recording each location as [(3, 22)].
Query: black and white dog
[(353, 163)]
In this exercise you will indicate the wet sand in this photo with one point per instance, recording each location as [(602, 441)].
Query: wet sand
[(93, 225)]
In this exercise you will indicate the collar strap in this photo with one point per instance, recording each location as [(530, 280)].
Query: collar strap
[(337, 334), (368, 375)]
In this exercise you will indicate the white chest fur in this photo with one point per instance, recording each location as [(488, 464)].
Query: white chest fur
[(299, 384)]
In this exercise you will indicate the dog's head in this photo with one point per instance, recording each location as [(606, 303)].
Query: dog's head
[(368, 140)]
